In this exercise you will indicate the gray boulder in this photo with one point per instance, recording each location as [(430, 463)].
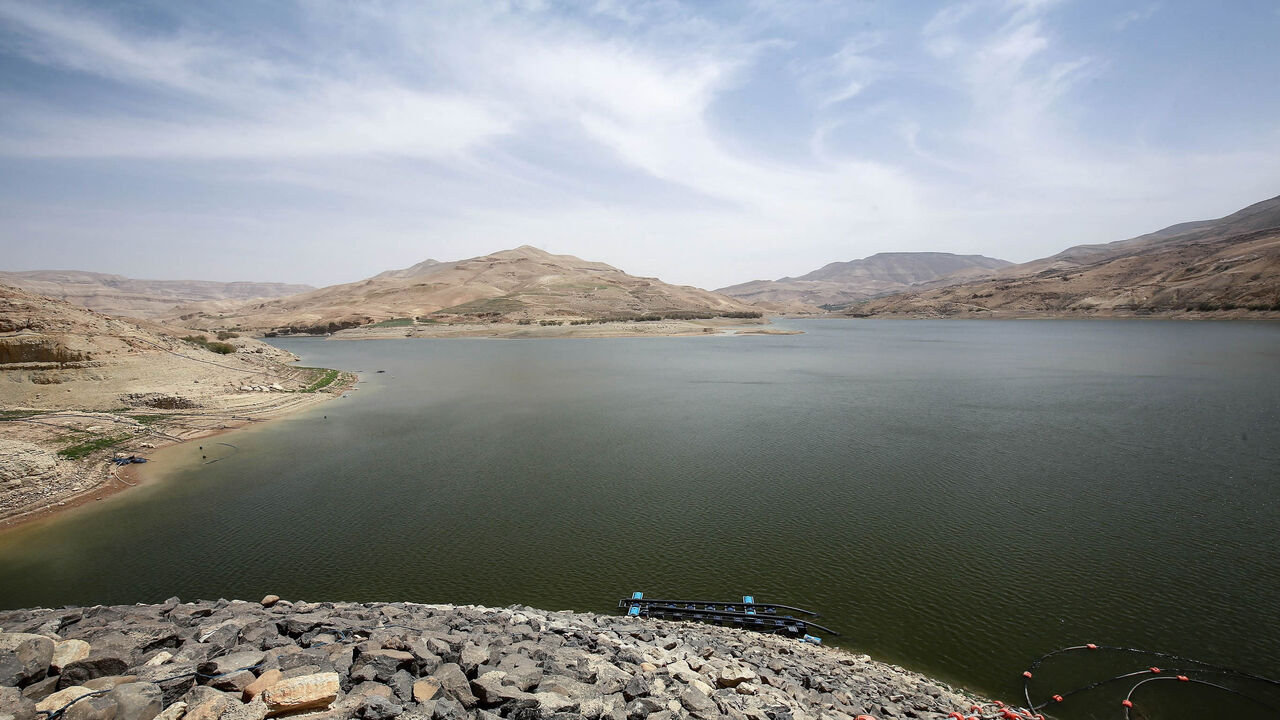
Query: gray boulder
[(24, 658), (455, 685), (93, 707), (376, 707)]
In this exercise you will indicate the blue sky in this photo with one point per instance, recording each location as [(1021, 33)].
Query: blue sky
[(704, 143)]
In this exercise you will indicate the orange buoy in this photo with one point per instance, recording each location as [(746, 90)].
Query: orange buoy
[(1091, 646), (1026, 674), (1127, 703), (1183, 678), (1057, 698), (1155, 670)]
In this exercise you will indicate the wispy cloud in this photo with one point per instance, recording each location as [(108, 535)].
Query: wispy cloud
[(1126, 19)]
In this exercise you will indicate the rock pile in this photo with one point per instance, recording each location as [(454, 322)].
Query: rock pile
[(236, 660)]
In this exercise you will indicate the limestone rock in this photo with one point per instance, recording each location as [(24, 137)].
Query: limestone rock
[(269, 600), (173, 712), (264, 681), (734, 675), (24, 657), (66, 652), (425, 689), (302, 693), (62, 697)]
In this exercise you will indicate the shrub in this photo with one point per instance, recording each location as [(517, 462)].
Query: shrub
[(211, 345), (75, 452)]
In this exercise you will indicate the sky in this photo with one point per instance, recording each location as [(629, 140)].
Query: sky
[(705, 143)]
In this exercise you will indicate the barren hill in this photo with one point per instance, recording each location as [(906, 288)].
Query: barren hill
[(55, 355), (840, 283), (129, 297), (524, 284), (1226, 266)]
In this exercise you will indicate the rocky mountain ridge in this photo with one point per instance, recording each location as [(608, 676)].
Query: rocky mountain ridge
[(840, 283), (1224, 267)]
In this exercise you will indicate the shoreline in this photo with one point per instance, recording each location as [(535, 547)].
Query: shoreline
[(716, 327), (112, 480)]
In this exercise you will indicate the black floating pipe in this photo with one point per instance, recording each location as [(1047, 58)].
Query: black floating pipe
[(627, 602)]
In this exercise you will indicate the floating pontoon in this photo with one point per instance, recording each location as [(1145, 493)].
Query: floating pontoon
[(748, 614)]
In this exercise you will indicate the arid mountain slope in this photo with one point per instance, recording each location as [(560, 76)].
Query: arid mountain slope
[(55, 355), (521, 284), (840, 283), (1225, 266), (128, 297)]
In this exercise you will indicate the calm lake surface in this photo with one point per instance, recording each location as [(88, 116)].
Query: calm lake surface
[(954, 496)]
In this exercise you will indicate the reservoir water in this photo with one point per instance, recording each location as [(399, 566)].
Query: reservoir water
[(956, 497)]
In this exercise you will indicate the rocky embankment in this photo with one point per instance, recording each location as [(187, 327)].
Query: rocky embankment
[(237, 660)]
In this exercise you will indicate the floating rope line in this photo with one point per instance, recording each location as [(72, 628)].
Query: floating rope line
[(1199, 667), (224, 457)]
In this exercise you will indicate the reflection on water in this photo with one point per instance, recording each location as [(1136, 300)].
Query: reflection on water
[(957, 497)]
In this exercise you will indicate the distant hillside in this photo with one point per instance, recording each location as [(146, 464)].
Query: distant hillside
[(1228, 265), (56, 355), (514, 285), (840, 283), (128, 297)]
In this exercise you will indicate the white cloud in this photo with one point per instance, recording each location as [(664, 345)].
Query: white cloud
[(461, 128)]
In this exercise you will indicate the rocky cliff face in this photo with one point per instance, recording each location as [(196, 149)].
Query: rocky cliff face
[(236, 660)]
